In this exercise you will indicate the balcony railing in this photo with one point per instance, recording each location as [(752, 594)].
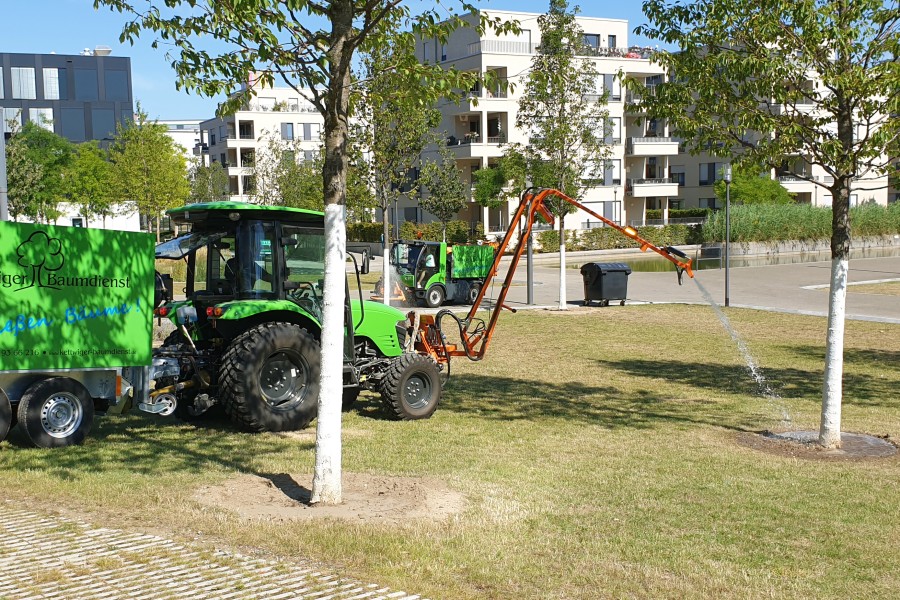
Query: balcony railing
[(497, 139), (787, 178), (501, 47)]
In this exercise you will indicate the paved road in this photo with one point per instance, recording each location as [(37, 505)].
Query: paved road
[(55, 558), (800, 288)]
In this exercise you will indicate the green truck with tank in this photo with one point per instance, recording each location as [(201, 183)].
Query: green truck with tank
[(76, 323)]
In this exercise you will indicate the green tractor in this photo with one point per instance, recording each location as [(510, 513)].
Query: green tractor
[(432, 273), (249, 327)]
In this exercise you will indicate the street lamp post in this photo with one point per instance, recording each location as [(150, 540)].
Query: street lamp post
[(727, 177)]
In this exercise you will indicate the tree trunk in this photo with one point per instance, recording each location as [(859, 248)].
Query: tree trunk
[(563, 302), (326, 486), (830, 427), (386, 267)]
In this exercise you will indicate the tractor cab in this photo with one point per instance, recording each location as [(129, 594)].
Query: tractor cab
[(420, 264)]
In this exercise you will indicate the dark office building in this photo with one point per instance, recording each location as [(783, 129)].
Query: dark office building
[(80, 97)]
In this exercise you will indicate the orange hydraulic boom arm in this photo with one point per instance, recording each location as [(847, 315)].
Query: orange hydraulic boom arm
[(475, 335)]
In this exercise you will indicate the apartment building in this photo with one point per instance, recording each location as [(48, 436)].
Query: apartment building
[(186, 135), (479, 128), (80, 97), (234, 140)]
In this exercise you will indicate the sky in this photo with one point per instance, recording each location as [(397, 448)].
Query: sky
[(70, 26)]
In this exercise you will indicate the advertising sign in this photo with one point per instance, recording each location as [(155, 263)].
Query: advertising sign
[(74, 298)]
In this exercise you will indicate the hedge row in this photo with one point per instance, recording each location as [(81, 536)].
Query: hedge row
[(679, 213), (607, 238), (766, 223), (458, 232)]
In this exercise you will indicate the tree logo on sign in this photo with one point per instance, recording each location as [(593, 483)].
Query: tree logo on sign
[(42, 253)]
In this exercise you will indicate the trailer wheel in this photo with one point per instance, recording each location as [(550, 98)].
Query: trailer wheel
[(270, 378), (349, 398), (412, 387), (5, 416), (472, 296), (435, 296), (56, 412)]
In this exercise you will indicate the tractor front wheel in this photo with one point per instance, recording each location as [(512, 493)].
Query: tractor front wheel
[(435, 296), (412, 387), (270, 378)]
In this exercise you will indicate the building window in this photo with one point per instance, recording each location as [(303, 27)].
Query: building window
[(443, 52), (249, 184), (677, 175), (222, 159), (10, 114), (77, 222), (592, 40), (55, 84), (42, 117), (307, 155), (710, 173), (116, 84), (103, 121), (613, 175), (212, 137), (86, 85), (708, 203), (72, 124), (615, 130), (311, 131), (676, 204), (287, 131), (23, 83), (611, 41)]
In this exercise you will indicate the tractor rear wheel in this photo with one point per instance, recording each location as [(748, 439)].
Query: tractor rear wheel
[(56, 412), (5, 416), (412, 387), (270, 378)]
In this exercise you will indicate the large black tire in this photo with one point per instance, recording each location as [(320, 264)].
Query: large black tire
[(412, 387), (270, 378), (349, 398), (5, 416), (472, 295), (56, 412), (435, 296)]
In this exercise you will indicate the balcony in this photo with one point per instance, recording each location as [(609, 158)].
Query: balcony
[(794, 183), (651, 146), (501, 47), (649, 188)]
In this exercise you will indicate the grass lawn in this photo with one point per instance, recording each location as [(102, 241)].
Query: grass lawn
[(598, 455), (887, 288)]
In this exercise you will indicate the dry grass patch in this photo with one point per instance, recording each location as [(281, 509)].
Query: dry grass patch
[(887, 288)]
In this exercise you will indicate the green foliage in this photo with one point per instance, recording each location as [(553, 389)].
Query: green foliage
[(458, 232), (39, 158), (679, 213), (566, 148), (754, 189), (148, 168), (741, 87), (608, 238), (446, 190), (89, 182), (208, 183), (487, 187), (364, 232)]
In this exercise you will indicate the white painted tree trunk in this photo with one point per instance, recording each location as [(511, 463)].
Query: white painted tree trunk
[(830, 428), (386, 276), (562, 267), (327, 477)]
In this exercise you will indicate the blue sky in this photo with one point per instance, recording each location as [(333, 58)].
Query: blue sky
[(69, 26)]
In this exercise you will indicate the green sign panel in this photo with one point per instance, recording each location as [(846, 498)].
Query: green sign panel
[(74, 298)]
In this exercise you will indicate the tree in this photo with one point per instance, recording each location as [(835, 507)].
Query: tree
[(565, 127), (392, 129), (89, 181), (446, 190), (749, 187), (148, 169), (317, 63), (52, 153), (810, 78), (208, 183), (40, 252), (24, 179)]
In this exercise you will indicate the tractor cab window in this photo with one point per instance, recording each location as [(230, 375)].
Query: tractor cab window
[(254, 265), (220, 263), (304, 266), (405, 257), (427, 264)]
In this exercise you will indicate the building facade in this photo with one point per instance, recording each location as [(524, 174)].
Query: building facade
[(478, 129), (235, 140), (80, 97)]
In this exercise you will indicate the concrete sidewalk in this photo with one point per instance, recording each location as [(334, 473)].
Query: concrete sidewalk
[(57, 558)]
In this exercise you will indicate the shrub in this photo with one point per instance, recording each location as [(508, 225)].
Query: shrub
[(458, 232), (364, 232)]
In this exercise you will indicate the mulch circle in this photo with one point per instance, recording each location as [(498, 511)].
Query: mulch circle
[(804, 444)]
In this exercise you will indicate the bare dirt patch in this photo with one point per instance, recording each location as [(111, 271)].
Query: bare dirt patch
[(802, 444), (367, 498)]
